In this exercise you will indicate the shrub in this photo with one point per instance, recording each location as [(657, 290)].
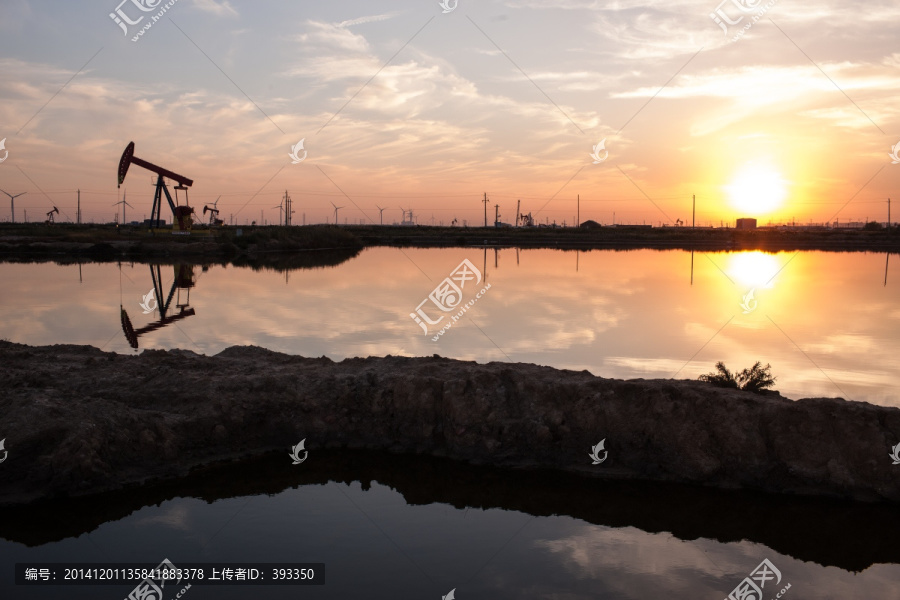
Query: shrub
[(724, 378), (755, 379)]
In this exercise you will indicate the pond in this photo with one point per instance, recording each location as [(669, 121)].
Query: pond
[(390, 526)]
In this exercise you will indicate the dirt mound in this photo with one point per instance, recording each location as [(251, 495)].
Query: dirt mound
[(77, 420)]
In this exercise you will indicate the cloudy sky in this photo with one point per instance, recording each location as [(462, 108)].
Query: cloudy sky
[(792, 114)]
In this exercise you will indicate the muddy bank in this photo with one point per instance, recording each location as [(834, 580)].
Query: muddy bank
[(77, 420), (136, 243), (634, 237), (105, 242)]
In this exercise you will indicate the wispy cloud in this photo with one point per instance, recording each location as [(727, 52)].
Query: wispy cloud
[(220, 8), (369, 19)]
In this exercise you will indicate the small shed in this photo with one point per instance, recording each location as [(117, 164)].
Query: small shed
[(746, 224)]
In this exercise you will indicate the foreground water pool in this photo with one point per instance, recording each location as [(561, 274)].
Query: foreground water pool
[(421, 527)]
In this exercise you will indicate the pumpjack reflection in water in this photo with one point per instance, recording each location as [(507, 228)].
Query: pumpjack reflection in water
[(184, 280)]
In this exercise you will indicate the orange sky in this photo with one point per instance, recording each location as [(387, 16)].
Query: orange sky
[(425, 110)]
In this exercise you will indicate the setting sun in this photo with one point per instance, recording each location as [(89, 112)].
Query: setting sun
[(757, 189)]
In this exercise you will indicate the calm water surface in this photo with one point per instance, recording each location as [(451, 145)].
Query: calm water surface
[(829, 323), (403, 539)]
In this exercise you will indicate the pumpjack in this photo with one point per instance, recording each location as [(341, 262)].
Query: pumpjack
[(213, 210), (182, 221), (50, 220), (184, 280)]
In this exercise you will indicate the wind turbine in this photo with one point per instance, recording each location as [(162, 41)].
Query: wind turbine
[(280, 207), (336, 208), (124, 204), (12, 203), (381, 212)]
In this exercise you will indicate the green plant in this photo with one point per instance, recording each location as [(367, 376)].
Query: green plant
[(755, 379)]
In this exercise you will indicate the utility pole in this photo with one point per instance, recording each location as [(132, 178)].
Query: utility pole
[(79, 210), (694, 217), (485, 208), (288, 210), (889, 215), (496, 214), (518, 211), (578, 218)]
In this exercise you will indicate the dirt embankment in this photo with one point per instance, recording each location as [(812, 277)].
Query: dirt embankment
[(77, 420), (107, 242), (631, 238)]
